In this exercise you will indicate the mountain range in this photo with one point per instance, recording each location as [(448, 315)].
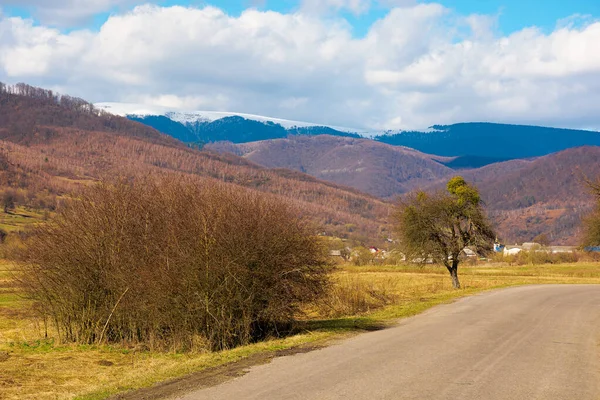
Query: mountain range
[(200, 127), (469, 144), (531, 177), (51, 145)]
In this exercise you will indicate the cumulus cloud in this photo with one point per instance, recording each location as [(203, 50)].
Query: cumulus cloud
[(419, 65)]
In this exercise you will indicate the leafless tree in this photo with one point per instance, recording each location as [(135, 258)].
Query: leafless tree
[(591, 223)]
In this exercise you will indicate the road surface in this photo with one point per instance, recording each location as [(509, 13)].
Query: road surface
[(525, 343)]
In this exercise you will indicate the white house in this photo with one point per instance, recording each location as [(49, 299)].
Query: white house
[(512, 252)]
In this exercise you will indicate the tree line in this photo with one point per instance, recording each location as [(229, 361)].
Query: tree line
[(27, 110)]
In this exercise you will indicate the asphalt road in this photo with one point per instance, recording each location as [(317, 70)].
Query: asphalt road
[(532, 342)]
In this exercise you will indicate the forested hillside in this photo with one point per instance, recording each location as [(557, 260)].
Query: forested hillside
[(236, 129), (493, 141), (543, 196), (376, 168), (51, 145), (525, 198), (29, 115)]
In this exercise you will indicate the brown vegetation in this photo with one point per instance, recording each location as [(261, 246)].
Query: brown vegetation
[(372, 167), (84, 146), (542, 196), (525, 198), (172, 264), (591, 224), (29, 115)]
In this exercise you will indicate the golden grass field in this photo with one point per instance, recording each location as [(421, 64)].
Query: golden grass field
[(34, 367)]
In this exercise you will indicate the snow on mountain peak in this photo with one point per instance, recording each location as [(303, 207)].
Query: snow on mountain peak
[(140, 110)]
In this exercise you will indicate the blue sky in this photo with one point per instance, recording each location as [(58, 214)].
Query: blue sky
[(368, 64), (513, 15)]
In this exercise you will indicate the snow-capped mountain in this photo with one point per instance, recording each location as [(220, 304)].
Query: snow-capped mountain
[(192, 117)]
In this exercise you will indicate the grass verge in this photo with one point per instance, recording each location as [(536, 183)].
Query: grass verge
[(364, 298)]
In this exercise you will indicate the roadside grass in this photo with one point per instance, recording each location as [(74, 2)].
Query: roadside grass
[(362, 298)]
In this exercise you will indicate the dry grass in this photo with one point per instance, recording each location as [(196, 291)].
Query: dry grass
[(352, 294), (19, 219), (36, 368)]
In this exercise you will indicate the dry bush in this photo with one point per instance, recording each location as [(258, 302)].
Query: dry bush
[(589, 256), (171, 264), (362, 256)]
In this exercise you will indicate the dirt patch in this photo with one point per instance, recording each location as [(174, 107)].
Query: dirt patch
[(209, 377)]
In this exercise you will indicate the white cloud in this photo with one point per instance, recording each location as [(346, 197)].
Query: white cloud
[(68, 12), (420, 65)]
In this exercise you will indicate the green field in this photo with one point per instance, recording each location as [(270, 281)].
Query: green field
[(19, 219), (37, 367)]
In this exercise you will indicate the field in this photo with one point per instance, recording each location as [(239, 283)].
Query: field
[(19, 219), (33, 366)]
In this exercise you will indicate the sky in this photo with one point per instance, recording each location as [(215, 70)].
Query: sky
[(368, 64)]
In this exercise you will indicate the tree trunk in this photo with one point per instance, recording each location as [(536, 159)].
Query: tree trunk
[(454, 274)]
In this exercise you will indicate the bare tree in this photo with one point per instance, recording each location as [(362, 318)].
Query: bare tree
[(8, 200), (591, 223), (439, 226)]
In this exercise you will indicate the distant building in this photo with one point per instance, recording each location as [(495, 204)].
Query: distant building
[(593, 249), (531, 246), (469, 253), (512, 252), (562, 249), (499, 248)]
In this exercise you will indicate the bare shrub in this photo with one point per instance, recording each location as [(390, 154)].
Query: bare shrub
[(362, 256), (163, 263)]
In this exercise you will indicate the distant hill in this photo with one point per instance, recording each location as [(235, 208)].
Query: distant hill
[(31, 115), (235, 129), (51, 145), (376, 168), (208, 127), (467, 162), (492, 141), (471, 145), (525, 197), (168, 127), (545, 195)]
